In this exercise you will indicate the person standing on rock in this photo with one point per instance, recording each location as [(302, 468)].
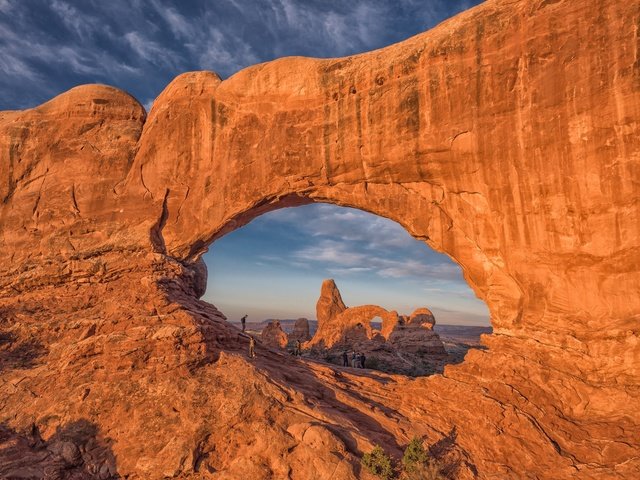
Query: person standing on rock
[(345, 359), (357, 365), (252, 347), (298, 350), (362, 360), (353, 359), (243, 321)]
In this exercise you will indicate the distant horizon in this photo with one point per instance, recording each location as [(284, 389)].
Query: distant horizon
[(438, 324)]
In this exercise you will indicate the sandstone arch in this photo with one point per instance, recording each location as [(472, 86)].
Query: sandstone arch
[(507, 137)]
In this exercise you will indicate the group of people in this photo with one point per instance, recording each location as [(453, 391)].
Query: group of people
[(357, 359)]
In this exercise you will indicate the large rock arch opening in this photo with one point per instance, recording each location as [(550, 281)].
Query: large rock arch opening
[(506, 137)]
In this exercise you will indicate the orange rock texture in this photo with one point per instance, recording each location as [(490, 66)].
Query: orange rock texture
[(401, 344), (343, 327), (273, 336), (506, 137), (300, 331)]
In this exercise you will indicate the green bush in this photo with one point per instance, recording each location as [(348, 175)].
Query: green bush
[(414, 455), (378, 463), (417, 464)]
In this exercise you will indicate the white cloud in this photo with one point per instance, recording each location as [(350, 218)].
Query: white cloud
[(148, 104), (346, 31), (371, 231), (178, 24), (218, 52), (150, 51), (82, 25), (22, 49), (342, 257)]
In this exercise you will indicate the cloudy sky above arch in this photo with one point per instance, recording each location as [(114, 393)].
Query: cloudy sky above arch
[(276, 262), (274, 267), (49, 46)]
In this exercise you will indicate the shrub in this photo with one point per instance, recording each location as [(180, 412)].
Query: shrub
[(414, 455), (378, 463), (417, 464)]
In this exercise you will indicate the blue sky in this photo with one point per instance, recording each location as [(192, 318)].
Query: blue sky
[(273, 267)]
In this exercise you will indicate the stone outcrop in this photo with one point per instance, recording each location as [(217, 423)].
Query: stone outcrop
[(415, 335), (300, 331), (402, 344), (506, 137), (273, 336), (329, 305), (336, 321)]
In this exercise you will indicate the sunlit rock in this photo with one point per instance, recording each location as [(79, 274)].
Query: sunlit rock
[(399, 344), (273, 336), (507, 137)]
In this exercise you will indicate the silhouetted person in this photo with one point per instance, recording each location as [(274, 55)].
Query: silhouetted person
[(345, 359), (357, 365), (252, 347), (362, 360), (353, 359), (298, 350), (243, 321)]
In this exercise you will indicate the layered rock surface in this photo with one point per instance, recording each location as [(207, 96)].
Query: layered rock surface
[(402, 344), (507, 137)]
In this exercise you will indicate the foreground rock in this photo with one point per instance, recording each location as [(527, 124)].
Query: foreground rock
[(508, 137), (402, 344)]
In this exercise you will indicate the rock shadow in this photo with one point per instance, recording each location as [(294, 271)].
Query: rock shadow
[(450, 457), (322, 397), (16, 353), (75, 451)]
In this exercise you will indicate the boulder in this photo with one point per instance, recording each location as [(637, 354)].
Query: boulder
[(300, 331), (273, 336)]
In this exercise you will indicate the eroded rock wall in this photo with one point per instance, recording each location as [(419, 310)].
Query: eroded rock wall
[(507, 137)]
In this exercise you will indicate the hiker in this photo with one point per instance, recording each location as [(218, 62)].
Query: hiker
[(252, 347), (357, 365), (243, 321), (353, 359), (298, 350), (345, 359), (362, 360)]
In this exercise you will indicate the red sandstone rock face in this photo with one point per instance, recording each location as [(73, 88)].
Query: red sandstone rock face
[(273, 336), (300, 331), (402, 345), (415, 335), (330, 303), (507, 137)]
